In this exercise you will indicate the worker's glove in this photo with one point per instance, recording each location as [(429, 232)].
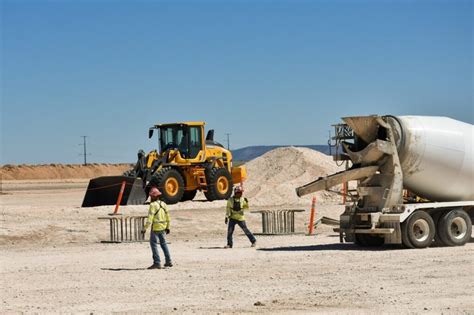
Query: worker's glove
[(167, 231), (226, 220)]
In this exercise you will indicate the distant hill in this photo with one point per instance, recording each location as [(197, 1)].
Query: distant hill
[(251, 152)]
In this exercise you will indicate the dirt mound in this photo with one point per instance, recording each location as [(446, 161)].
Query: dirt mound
[(60, 171), (273, 177)]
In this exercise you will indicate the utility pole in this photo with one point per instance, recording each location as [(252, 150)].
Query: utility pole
[(85, 149), (228, 140)]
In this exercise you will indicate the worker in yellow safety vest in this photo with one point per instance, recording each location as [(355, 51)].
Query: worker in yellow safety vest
[(236, 206), (159, 219)]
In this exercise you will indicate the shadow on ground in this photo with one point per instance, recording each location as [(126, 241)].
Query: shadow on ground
[(123, 269), (325, 247)]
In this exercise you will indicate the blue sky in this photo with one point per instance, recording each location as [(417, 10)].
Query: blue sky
[(268, 72)]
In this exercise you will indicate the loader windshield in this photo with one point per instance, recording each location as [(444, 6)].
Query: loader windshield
[(186, 139)]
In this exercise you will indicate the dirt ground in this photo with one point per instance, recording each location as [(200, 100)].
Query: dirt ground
[(52, 261)]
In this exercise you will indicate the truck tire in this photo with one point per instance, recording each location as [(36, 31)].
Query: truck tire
[(405, 241), (189, 195), (219, 184), (367, 240), (455, 228), (171, 184), (437, 241), (419, 230)]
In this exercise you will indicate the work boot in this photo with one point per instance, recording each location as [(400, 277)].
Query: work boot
[(254, 244), (155, 266), (169, 264), (228, 246)]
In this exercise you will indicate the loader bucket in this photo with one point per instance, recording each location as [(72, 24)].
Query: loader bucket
[(105, 190)]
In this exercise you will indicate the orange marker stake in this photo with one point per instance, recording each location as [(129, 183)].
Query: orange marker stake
[(312, 215), (119, 199)]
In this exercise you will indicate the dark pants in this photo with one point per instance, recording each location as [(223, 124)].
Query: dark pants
[(243, 226), (155, 239)]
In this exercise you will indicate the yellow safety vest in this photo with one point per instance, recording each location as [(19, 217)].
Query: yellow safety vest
[(237, 214), (158, 216)]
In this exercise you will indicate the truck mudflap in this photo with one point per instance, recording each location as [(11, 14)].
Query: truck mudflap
[(391, 235), (386, 226), (103, 191)]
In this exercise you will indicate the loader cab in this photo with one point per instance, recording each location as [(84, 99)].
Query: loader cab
[(187, 138)]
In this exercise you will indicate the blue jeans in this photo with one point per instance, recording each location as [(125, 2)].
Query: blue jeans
[(155, 239), (243, 226)]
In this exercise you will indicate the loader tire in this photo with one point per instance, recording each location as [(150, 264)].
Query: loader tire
[(219, 184), (455, 228), (189, 195), (418, 230), (171, 184)]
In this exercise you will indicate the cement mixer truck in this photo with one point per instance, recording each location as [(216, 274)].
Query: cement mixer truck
[(415, 180)]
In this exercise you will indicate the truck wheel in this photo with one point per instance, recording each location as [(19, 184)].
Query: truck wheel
[(367, 240), (405, 241), (418, 231), (455, 228), (437, 242), (219, 184), (189, 195), (171, 184)]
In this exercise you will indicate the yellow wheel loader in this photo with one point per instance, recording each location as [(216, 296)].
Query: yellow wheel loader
[(184, 163)]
